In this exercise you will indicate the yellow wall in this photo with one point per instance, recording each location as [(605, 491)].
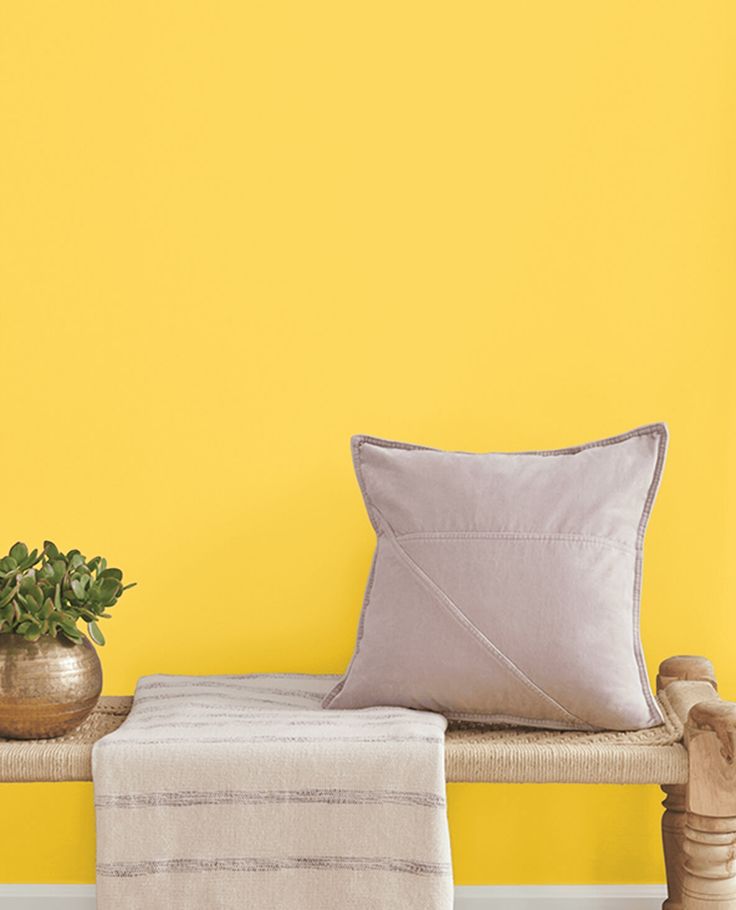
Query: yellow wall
[(234, 233)]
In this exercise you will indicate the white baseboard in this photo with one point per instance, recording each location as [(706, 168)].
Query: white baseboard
[(558, 897), (467, 897), (47, 897)]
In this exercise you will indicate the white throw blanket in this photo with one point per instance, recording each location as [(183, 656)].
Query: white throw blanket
[(239, 791)]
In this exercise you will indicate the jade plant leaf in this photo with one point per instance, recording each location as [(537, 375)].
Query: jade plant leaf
[(95, 634), (50, 549), (78, 589), (19, 551)]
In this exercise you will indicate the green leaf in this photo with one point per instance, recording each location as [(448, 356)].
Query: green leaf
[(8, 596), (109, 588), (70, 630), (94, 633), (8, 564), (50, 549), (30, 559), (76, 560), (35, 630), (78, 589), (19, 551), (27, 583), (111, 573)]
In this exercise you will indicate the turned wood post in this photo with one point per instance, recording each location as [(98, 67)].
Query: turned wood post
[(709, 879), (684, 667)]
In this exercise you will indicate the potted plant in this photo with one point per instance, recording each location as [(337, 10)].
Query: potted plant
[(50, 674)]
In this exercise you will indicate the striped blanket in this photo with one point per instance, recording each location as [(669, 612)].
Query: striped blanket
[(239, 791)]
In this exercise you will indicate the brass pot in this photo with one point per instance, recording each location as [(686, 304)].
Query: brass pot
[(47, 687)]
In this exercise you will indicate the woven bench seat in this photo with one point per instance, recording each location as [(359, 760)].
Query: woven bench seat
[(474, 753)]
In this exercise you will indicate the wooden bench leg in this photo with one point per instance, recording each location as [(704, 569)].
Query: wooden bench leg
[(673, 835), (674, 669), (709, 881), (709, 877)]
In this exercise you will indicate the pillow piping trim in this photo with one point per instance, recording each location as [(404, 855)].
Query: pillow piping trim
[(660, 431)]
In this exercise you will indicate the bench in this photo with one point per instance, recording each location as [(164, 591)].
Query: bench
[(692, 756)]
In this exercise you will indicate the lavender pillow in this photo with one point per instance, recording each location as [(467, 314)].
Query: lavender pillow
[(505, 586)]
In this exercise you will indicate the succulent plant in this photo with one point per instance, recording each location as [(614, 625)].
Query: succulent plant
[(48, 592)]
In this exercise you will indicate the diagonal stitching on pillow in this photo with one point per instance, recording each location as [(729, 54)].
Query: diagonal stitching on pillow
[(459, 616)]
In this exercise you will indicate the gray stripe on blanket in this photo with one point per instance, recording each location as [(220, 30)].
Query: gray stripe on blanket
[(196, 698), (332, 796), (249, 722), (122, 740), (280, 717), (321, 678), (238, 687), (272, 864)]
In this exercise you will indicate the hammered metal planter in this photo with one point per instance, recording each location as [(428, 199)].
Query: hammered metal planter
[(47, 687)]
